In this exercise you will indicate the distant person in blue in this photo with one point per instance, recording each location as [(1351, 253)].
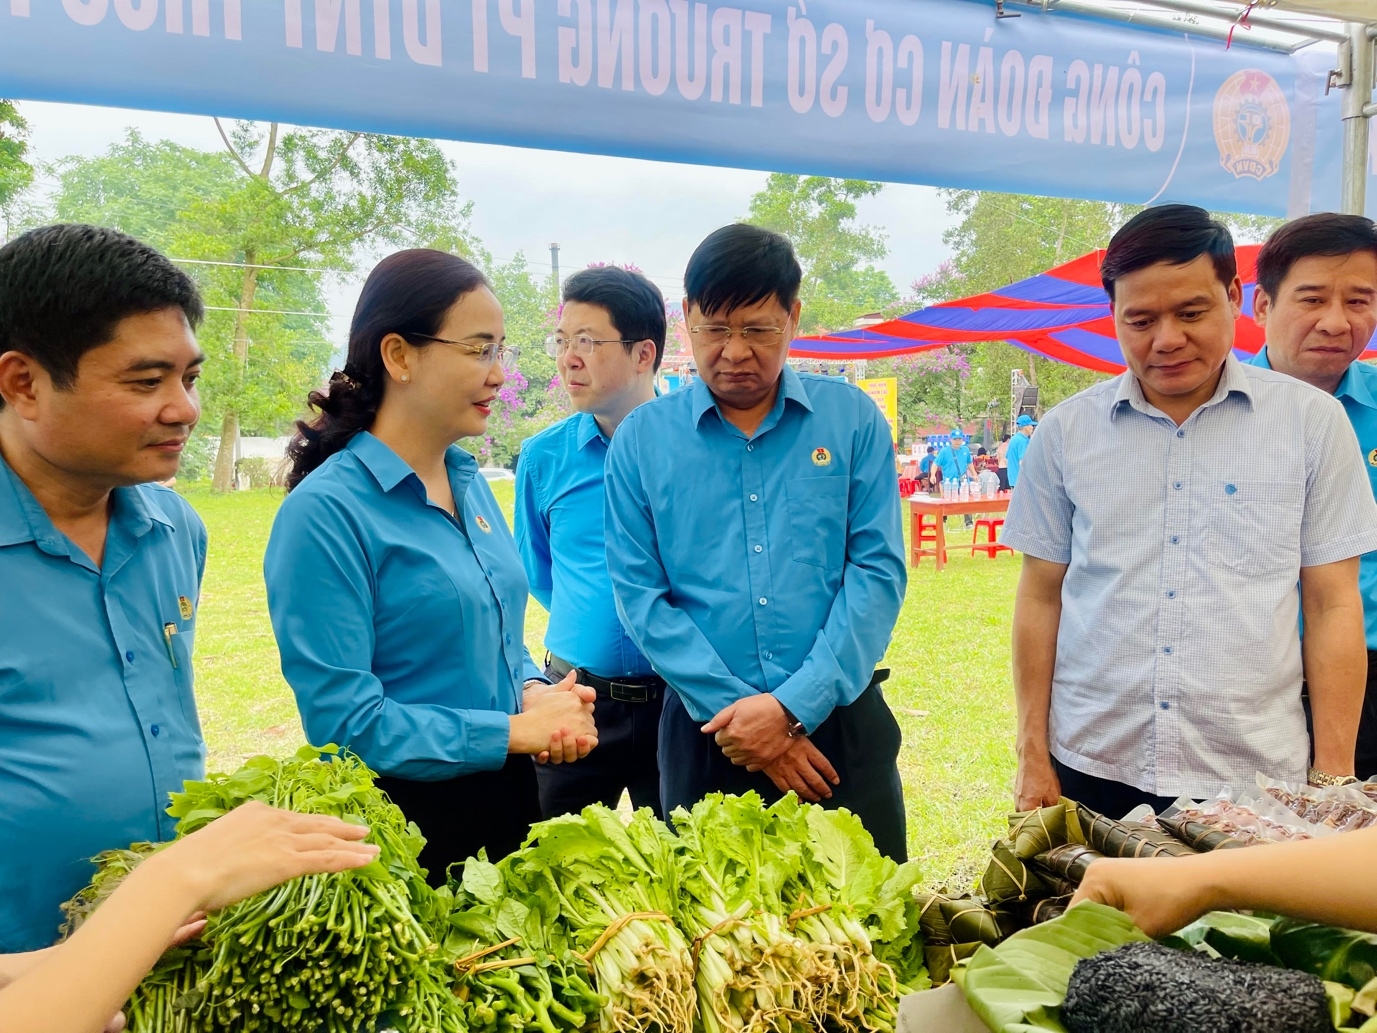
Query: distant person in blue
[(101, 568), (925, 466), (1018, 447), (955, 457), (608, 346), (1317, 301), (395, 589), (756, 551), (955, 462)]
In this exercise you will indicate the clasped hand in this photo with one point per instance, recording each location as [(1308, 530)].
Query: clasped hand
[(556, 723), (754, 733)]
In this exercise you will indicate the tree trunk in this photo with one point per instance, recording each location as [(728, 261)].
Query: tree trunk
[(223, 479)]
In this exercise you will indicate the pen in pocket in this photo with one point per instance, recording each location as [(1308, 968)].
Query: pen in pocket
[(168, 631)]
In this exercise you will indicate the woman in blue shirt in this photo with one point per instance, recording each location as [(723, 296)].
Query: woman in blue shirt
[(396, 591)]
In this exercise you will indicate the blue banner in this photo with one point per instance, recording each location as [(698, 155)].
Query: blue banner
[(939, 92)]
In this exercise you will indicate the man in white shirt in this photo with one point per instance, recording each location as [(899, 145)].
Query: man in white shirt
[(1156, 650)]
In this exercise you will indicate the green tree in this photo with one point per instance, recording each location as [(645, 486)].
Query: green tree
[(840, 280), (15, 171), (262, 223)]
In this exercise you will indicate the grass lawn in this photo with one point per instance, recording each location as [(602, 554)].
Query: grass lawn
[(950, 689)]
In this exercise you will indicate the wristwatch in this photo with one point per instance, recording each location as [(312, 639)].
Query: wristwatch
[(1316, 777), (795, 726)]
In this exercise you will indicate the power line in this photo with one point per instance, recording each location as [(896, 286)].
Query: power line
[(247, 265), (268, 311)]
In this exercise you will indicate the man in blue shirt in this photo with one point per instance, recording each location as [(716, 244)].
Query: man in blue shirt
[(1018, 447), (955, 458), (101, 569), (756, 551), (608, 344), (1317, 300)]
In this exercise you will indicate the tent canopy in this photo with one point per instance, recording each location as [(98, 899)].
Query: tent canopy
[(1061, 314)]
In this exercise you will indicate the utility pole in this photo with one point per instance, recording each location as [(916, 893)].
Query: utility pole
[(554, 263), (1355, 77)]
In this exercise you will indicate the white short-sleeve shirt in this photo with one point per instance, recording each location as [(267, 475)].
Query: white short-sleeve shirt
[(1178, 667)]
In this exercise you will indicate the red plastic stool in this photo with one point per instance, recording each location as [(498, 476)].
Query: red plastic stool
[(991, 546), (927, 535)]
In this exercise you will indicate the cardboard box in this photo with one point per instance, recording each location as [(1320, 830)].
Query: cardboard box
[(943, 1010)]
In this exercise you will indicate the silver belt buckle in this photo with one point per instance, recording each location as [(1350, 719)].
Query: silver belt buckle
[(623, 692)]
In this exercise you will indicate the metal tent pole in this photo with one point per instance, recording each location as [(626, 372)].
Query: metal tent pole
[(1357, 61)]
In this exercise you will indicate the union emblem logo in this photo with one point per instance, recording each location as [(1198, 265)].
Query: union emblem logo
[(821, 457), (1252, 124)]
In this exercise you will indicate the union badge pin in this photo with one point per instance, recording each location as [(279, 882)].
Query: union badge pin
[(482, 525), (821, 457), (1372, 458), (185, 607)]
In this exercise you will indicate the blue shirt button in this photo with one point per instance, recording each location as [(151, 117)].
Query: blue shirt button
[(763, 600), (129, 656), (769, 655), (509, 640), (1167, 650), (155, 730), (1171, 594), (1176, 485), (755, 498), (750, 448), (1165, 705), (1180, 433), (1230, 489), (760, 548), (1174, 539)]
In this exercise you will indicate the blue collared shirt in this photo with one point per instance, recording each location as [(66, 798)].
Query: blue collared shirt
[(97, 724), (954, 462), (1178, 667), (1018, 448), (399, 626), (773, 563), (1358, 394), (559, 530)]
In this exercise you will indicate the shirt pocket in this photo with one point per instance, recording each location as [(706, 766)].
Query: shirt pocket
[(1253, 527), (817, 520)]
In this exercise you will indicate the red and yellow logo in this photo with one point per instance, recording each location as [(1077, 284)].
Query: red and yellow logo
[(482, 524), (821, 457)]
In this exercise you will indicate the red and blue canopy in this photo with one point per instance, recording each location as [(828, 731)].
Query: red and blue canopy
[(1061, 314)]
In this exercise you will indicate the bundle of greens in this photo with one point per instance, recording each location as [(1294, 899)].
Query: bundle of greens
[(572, 927), (324, 952), (797, 918)]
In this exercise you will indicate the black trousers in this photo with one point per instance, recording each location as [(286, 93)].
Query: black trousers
[(625, 759), (861, 740), (1110, 798), (489, 810), (1365, 755)]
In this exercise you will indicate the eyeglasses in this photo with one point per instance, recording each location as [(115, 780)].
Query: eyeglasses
[(487, 353), (581, 345), (754, 336)]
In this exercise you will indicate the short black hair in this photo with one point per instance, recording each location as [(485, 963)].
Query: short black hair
[(1324, 234), (634, 304), (1173, 233), (65, 288), (742, 265), (931, 449)]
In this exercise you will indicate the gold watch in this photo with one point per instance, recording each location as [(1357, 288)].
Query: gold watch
[(1324, 781)]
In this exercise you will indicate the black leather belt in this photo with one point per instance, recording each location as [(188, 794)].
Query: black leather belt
[(641, 689)]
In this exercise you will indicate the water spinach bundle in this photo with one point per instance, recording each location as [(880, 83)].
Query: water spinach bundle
[(339, 952)]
